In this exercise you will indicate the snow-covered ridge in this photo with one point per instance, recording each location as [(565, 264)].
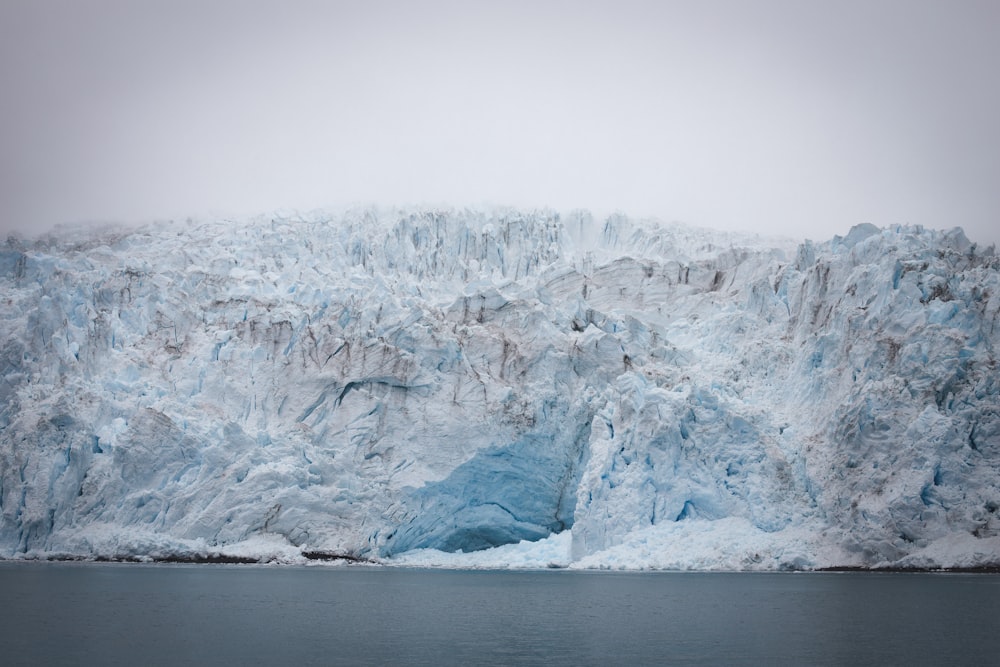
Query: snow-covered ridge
[(380, 382)]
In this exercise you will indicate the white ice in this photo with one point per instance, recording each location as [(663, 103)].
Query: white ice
[(419, 386)]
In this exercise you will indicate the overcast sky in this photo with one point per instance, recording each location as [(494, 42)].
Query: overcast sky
[(796, 117)]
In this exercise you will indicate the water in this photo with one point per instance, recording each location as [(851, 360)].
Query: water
[(118, 614)]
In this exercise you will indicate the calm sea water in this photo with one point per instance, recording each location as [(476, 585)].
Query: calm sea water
[(120, 614)]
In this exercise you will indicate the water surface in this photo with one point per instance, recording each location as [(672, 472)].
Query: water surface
[(127, 614)]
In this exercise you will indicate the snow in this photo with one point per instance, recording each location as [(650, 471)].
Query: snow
[(501, 388), (729, 544)]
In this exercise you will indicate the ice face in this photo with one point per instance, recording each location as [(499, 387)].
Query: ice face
[(377, 382)]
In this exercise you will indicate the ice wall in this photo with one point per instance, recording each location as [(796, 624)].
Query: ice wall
[(380, 381)]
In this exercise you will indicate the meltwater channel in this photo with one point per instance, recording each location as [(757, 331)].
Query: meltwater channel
[(128, 614)]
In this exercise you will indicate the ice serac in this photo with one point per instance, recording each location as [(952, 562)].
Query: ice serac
[(377, 382)]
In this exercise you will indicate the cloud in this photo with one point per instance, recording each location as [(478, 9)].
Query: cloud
[(780, 117)]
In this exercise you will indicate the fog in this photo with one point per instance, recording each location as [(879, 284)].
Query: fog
[(786, 118)]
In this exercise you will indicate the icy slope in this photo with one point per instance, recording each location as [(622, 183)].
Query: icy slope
[(380, 381)]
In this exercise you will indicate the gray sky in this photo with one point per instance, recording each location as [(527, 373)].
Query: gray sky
[(787, 117)]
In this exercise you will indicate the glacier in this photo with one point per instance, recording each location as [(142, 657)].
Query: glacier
[(500, 388)]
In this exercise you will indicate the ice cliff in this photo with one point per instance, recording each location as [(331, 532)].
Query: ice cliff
[(379, 381)]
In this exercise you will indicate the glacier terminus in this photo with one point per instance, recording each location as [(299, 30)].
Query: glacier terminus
[(497, 387)]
